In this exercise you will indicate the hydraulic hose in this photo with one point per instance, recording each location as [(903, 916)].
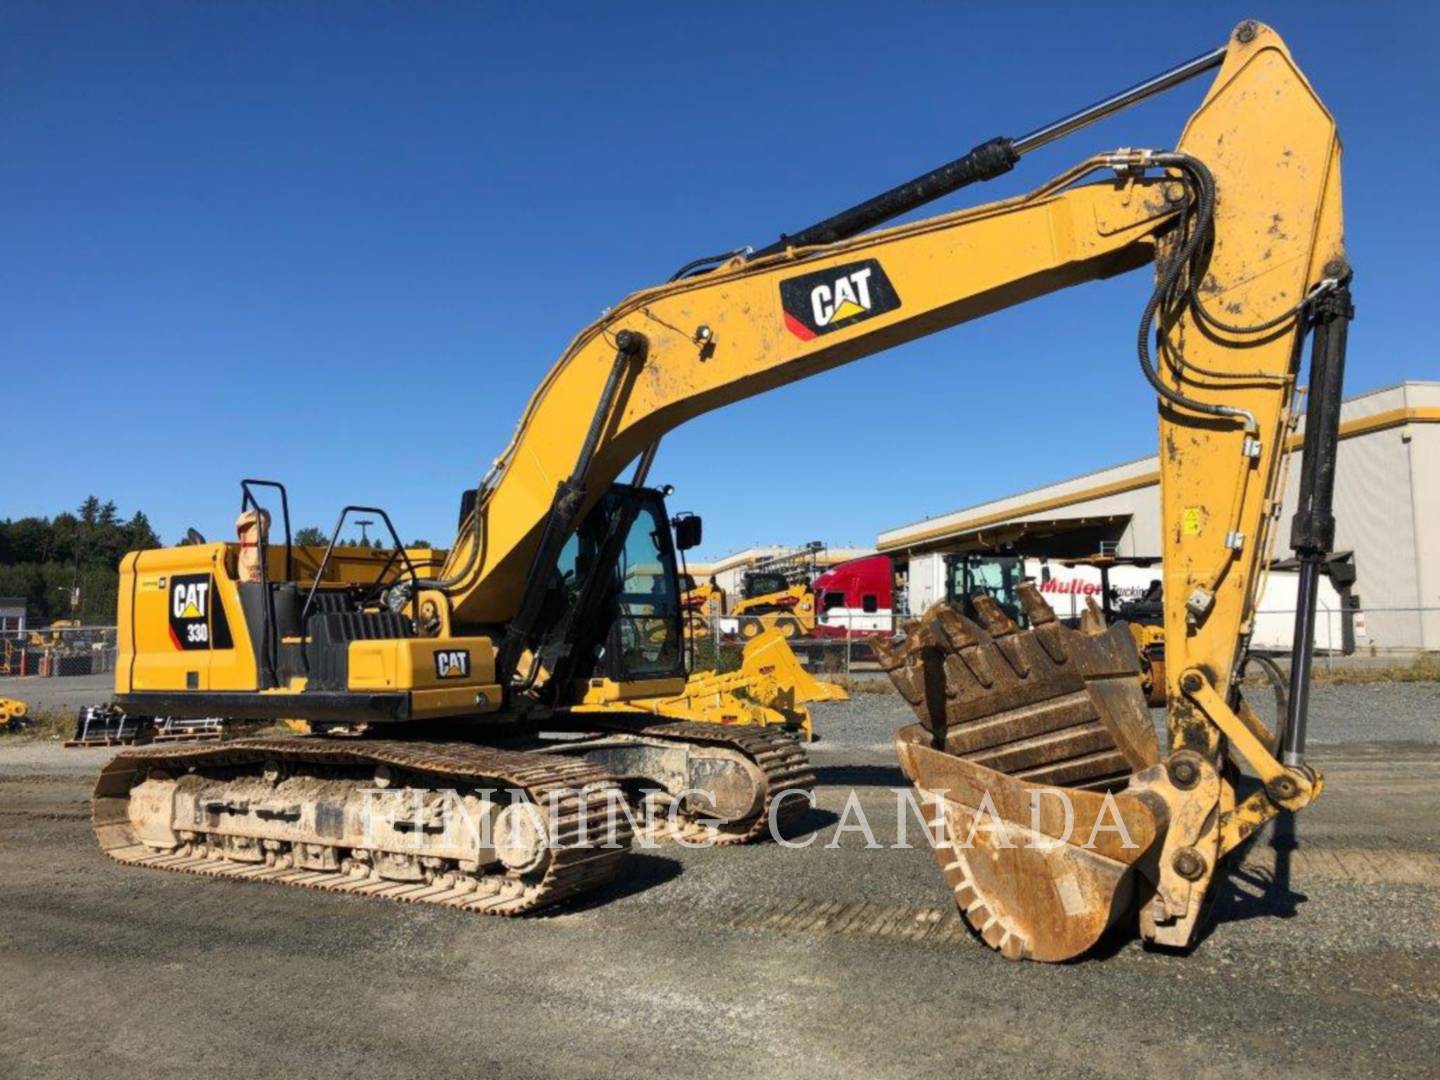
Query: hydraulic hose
[(1204, 184)]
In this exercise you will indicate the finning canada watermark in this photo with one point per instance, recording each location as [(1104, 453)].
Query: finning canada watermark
[(510, 822)]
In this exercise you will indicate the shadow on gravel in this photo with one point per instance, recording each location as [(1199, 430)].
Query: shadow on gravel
[(888, 776), (641, 873), (1257, 892), (811, 821)]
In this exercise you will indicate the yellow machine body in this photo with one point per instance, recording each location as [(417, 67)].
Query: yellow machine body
[(183, 630), (789, 611)]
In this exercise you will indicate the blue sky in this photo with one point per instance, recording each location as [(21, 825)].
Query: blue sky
[(340, 244)]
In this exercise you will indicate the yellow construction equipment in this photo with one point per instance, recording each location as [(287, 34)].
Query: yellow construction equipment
[(703, 605), (770, 687), (777, 594), (1144, 617), (13, 714), (52, 636), (788, 610), (537, 653)]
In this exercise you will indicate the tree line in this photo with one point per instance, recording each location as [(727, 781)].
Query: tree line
[(312, 537), (67, 566)]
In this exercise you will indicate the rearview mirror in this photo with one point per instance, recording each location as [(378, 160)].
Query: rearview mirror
[(689, 530)]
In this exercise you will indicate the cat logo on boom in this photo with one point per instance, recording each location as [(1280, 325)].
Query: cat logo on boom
[(836, 298)]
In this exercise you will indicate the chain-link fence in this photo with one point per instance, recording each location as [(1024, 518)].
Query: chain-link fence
[(58, 651), (839, 646), (842, 644)]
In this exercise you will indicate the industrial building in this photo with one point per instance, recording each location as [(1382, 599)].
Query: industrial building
[(1387, 509), (729, 571)]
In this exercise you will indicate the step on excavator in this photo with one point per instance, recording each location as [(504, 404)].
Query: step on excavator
[(510, 676)]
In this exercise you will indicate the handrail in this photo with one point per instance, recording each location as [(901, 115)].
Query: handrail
[(248, 500), (269, 646), (330, 547)]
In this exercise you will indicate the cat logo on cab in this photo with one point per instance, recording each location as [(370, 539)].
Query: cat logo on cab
[(192, 623), (836, 298), (452, 663)]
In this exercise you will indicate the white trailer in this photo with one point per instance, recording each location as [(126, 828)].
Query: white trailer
[(1066, 589)]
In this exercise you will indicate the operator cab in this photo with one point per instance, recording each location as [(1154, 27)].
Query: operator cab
[(763, 583), (995, 576), (614, 607)]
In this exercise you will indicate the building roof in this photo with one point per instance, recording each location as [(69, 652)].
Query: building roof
[(1413, 401), (751, 555)]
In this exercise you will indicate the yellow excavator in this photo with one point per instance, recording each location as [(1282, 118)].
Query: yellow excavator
[(514, 677)]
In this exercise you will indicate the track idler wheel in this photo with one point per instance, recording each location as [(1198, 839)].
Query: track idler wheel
[(1026, 743)]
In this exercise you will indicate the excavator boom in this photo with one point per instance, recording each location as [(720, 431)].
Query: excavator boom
[(750, 327)]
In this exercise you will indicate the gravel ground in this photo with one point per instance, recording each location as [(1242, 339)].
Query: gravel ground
[(65, 695), (1366, 712), (127, 972)]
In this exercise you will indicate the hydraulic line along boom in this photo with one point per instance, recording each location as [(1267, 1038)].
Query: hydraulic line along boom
[(989, 159)]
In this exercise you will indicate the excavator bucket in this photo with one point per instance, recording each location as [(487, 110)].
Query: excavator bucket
[(1026, 745)]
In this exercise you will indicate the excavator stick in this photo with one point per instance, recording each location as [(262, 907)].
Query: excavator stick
[(1026, 752)]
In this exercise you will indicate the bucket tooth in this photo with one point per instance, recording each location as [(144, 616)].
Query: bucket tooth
[(915, 667), (1092, 619), (1013, 721), (1003, 632), (994, 617)]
